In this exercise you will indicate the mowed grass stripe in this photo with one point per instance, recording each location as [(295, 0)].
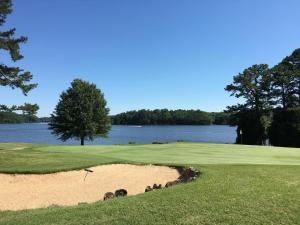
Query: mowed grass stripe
[(28, 158)]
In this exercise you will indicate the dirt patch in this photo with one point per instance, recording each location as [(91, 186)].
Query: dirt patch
[(69, 188)]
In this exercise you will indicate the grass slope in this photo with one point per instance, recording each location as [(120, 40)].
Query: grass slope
[(239, 185)]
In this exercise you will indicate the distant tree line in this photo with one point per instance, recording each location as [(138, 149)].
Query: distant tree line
[(27, 115), (11, 117), (140, 117), (169, 117), (271, 108)]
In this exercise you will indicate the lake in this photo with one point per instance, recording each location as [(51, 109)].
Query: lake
[(38, 133)]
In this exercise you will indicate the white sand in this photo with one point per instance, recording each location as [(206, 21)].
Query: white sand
[(69, 188)]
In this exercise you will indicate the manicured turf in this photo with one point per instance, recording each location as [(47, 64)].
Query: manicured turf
[(28, 158), (239, 184)]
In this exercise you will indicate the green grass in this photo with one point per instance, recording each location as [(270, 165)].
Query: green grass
[(51, 158), (46, 159), (239, 184)]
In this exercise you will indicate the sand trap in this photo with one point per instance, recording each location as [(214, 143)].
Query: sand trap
[(69, 188)]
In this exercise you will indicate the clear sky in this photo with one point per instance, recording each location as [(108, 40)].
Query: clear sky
[(149, 53)]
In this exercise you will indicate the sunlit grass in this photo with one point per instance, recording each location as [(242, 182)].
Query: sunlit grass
[(239, 184)]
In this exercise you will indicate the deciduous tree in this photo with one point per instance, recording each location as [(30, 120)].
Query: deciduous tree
[(81, 113)]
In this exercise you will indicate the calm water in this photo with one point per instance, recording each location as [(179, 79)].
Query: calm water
[(39, 133)]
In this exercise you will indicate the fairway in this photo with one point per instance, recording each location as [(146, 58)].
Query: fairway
[(29, 158), (239, 184)]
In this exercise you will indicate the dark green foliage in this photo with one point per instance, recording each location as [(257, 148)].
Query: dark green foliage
[(285, 128), (286, 81), (292, 63), (253, 85), (81, 113), (262, 89), (221, 118), (11, 117), (250, 130), (157, 143), (44, 119), (13, 77), (283, 86), (7, 114), (5, 108), (169, 117), (29, 109)]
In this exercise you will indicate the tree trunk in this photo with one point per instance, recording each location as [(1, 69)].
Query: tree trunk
[(81, 141), (283, 96), (299, 95)]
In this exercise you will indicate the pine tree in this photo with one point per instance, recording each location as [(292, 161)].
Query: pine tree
[(13, 77), (292, 64), (283, 86), (253, 85)]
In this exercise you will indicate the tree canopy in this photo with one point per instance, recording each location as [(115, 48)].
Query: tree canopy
[(29, 109), (254, 86), (81, 113), (271, 103), (169, 117), (291, 65), (10, 115), (283, 86), (14, 77), (10, 76)]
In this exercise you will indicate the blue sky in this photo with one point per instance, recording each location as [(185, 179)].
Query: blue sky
[(149, 54)]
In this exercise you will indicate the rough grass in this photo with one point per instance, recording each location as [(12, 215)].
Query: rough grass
[(239, 185)]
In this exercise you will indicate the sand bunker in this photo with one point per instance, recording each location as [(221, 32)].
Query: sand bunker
[(69, 188)]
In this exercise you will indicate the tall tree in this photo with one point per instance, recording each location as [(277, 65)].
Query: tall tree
[(13, 77), (285, 127), (81, 113), (253, 85), (283, 86), (292, 64)]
